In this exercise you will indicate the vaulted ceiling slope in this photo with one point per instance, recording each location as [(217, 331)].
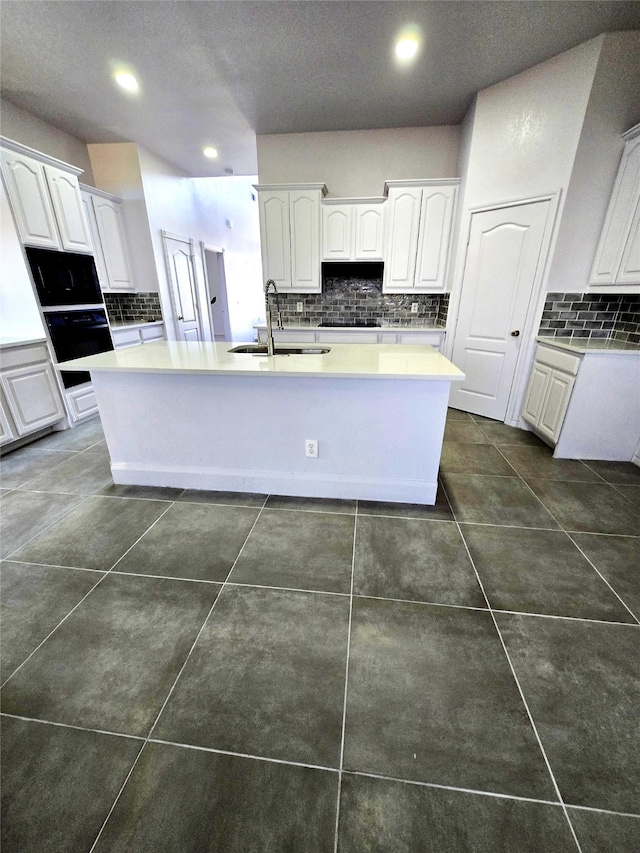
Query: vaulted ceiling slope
[(217, 73)]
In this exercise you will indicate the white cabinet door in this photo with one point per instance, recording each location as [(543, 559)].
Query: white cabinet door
[(369, 232), (304, 212), (620, 230), (337, 232), (402, 238), (629, 269), (113, 243), (32, 394), (536, 392), (98, 257), (6, 428), (30, 201), (555, 404), (69, 210), (275, 239), (436, 216)]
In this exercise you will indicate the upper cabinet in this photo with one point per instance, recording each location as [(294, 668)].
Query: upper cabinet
[(45, 198), (418, 235), (290, 235), (108, 238), (617, 262), (353, 229)]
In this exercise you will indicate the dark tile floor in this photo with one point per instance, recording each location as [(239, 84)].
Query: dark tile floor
[(197, 671)]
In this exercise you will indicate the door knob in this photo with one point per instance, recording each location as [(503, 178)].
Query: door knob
[(515, 333), (182, 318)]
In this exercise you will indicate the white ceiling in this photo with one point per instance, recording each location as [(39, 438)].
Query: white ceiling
[(217, 73)]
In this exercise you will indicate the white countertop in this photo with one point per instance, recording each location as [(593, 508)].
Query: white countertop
[(356, 361), (590, 345), (6, 341)]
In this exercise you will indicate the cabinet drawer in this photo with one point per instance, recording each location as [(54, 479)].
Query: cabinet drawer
[(20, 356), (125, 338), (347, 337), (292, 336), (433, 339), (558, 359), (152, 333)]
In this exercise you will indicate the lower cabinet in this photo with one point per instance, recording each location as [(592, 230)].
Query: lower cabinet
[(31, 399), (131, 336), (361, 335), (81, 402), (549, 391), (586, 404)]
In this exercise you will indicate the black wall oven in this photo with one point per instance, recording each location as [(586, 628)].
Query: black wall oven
[(75, 334), (64, 278)]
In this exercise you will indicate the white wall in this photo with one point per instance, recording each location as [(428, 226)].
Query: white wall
[(234, 199), (23, 127), (613, 107), (355, 163), (19, 315), (116, 168)]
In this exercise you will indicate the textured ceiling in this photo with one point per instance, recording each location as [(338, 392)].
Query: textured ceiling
[(219, 72)]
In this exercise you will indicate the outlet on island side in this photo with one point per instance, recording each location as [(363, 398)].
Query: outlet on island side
[(299, 307), (414, 307), (311, 447)]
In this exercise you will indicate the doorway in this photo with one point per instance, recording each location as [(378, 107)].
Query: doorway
[(181, 273), (216, 287), (501, 285)]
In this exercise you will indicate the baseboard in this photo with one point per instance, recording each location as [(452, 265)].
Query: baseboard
[(274, 483)]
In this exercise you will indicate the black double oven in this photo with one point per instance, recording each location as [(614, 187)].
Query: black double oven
[(73, 306)]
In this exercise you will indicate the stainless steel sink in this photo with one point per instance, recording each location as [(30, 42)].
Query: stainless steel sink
[(261, 349)]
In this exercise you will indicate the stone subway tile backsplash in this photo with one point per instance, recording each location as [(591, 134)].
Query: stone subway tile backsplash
[(352, 293), (133, 307), (592, 315)]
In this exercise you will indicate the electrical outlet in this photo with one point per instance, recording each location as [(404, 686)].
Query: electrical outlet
[(311, 447), (299, 307), (414, 307)]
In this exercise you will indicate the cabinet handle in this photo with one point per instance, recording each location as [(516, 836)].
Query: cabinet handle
[(514, 334)]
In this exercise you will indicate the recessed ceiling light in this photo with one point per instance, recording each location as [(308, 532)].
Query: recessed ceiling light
[(407, 44), (211, 153), (126, 80)]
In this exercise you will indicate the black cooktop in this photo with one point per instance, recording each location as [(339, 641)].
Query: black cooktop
[(350, 324)]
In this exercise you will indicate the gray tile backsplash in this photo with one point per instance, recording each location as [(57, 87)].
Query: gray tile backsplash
[(133, 307), (352, 293), (592, 315)]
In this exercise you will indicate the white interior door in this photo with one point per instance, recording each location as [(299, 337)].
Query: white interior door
[(217, 293), (503, 265), (182, 279)]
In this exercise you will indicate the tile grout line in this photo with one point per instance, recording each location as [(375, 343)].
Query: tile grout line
[(521, 692), (346, 682), (595, 568), (181, 670), (362, 773), (578, 547), (73, 609), (83, 500)]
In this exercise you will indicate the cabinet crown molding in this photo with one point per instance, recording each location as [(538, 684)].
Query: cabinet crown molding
[(93, 191), (290, 187), (363, 200), (631, 133), (19, 148), (426, 182)]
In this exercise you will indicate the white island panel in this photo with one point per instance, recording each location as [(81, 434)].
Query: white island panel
[(199, 417)]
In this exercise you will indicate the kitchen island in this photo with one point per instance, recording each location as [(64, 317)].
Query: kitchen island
[(197, 416)]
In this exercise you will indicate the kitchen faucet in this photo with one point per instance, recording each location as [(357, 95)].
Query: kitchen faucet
[(271, 286)]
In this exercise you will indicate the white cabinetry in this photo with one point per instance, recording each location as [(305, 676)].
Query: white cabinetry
[(131, 336), (353, 229), (549, 390), (617, 263), (45, 197), (108, 238), (358, 335), (30, 390), (290, 235), (418, 237)]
